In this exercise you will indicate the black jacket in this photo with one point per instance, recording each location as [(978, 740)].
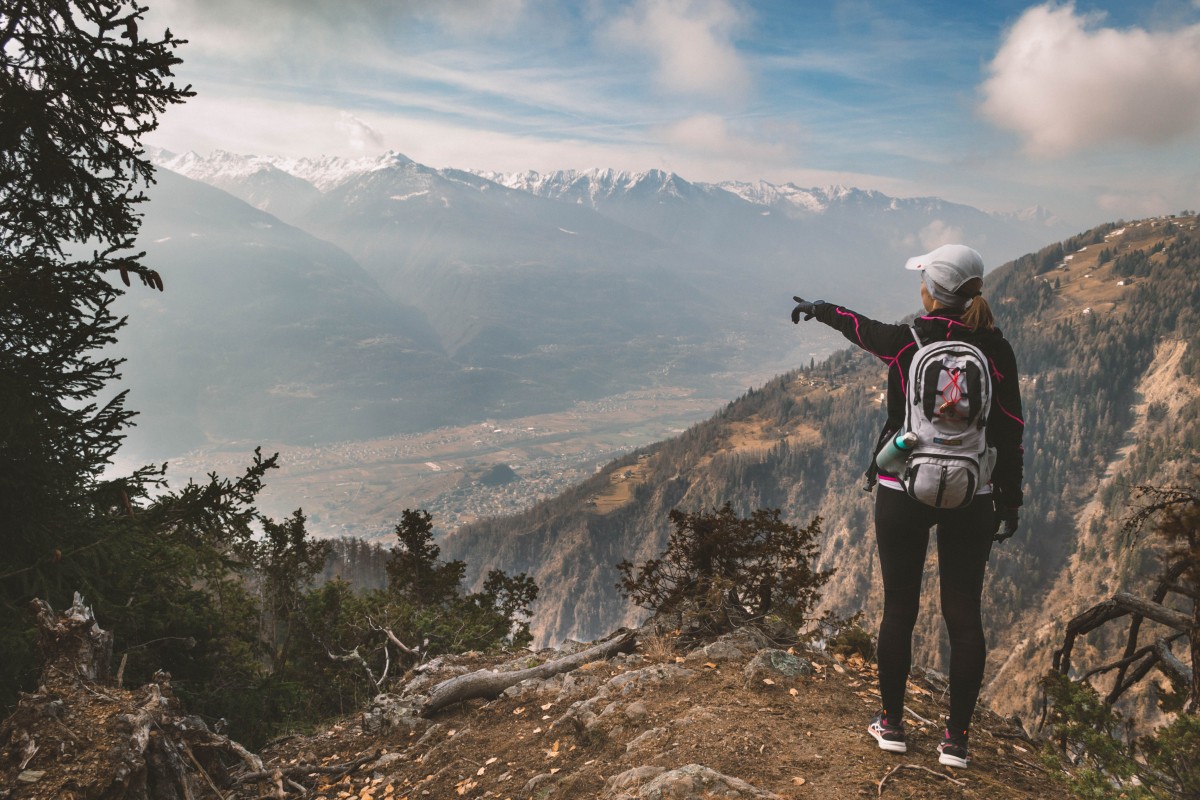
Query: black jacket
[(893, 344)]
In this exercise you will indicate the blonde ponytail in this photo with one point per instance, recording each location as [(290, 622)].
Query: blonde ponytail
[(978, 314)]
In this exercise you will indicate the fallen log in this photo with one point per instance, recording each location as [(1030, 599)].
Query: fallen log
[(486, 683)]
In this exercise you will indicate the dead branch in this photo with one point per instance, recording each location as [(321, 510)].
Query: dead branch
[(1119, 605), (412, 651), (1143, 669), (357, 658), (488, 683), (1120, 664), (301, 770), (1176, 620), (254, 761), (430, 666), (908, 710), (1171, 665), (1165, 584), (203, 772), (898, 767), (1185, 589)]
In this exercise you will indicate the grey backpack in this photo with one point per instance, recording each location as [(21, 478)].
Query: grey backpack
[(949, 396)]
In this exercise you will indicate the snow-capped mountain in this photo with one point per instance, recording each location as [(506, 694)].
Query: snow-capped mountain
[(595, 186), (264, 182), (324, 173), (1036, 215), (532, 290), (768, 194)]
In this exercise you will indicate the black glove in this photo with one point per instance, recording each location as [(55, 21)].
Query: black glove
[(1006, 520), (805, 307)]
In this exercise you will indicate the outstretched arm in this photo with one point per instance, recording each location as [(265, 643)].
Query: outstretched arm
[(880, 339)]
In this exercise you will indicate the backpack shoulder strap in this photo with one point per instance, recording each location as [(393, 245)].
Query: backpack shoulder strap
[(916, 336)]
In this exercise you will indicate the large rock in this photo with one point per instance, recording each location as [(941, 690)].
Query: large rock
[(696, 782)]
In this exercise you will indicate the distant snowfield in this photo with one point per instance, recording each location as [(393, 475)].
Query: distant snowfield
[(587, 187)]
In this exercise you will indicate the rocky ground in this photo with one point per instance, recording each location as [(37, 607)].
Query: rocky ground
[(733, 718)]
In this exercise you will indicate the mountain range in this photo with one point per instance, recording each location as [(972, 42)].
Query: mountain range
[(319, 300)]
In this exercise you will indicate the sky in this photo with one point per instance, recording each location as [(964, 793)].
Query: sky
[(1089, 109)]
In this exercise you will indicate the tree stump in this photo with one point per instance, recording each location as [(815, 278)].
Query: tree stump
[(72, 645), (80, 738)]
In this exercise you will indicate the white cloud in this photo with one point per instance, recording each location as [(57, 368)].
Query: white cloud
[(692, 42), (359, 133), (479, 16), (710, 134), (1064, 83), (933, 235), (318, 31), (938, 233), (1131, 205)]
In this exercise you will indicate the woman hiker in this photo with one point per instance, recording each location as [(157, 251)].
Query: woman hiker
[(952, 282)]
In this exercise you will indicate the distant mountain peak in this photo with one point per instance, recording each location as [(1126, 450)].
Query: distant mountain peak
[(323, 172), (596, 185), (1036, 214), (599, 184), (590, 187)]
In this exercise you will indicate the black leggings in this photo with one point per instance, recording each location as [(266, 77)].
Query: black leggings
[(964, 542)]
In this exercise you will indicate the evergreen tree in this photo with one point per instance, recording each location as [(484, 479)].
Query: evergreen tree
[(80, 87), (414, 570), (732, 569)]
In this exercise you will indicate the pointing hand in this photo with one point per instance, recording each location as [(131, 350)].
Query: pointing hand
[(805, 307)]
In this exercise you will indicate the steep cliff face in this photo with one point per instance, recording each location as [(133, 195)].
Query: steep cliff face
[(1104, 326)]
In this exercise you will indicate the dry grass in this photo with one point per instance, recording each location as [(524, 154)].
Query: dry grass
[(619, 491)]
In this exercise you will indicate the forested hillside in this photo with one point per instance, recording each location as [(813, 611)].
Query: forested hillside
[(1104, 326)]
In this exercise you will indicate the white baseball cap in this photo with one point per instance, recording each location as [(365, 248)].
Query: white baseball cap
[(950, 266)]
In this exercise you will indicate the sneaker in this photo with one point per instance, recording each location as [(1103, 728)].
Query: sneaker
[(889, 736), (953, 750)]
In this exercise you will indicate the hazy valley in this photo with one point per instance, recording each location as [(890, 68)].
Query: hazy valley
[(336, 310), (459, 474)]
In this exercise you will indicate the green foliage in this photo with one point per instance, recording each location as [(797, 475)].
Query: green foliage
[(79, 88), (510, 596), (1134, 263), (299, 654), (414, 571), (1090, 733), (731, 569), (424, 598), (283, 561), (1092, 737), (851, 637), (1172, 757)]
